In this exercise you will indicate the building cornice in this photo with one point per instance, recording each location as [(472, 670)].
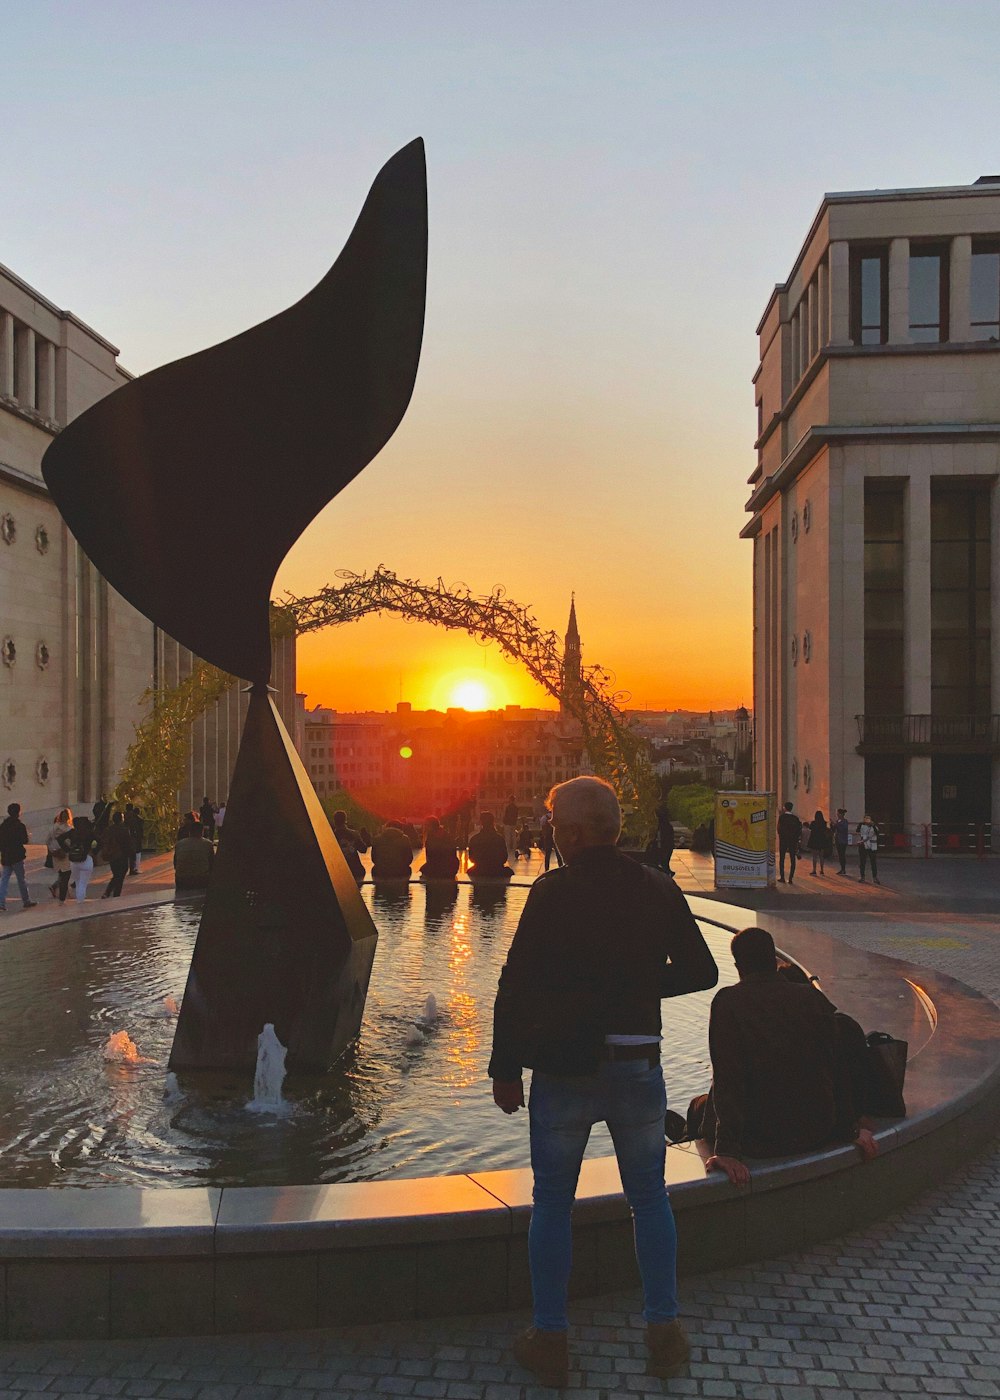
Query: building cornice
[(30, 291), (23, 479), (873, 197), (30, 415), (825, 434)]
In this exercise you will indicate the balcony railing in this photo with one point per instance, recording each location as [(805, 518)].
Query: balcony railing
[(928, 733)]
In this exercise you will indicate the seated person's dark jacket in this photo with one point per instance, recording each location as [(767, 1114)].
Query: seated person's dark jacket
[(779, 1086), (599, 943), (392, 855), (488, 854), (193, 860), (442, 857)]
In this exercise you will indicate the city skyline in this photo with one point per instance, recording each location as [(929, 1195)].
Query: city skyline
[(611, 196)]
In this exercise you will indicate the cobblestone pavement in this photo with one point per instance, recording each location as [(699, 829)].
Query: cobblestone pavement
[(910, 1306)]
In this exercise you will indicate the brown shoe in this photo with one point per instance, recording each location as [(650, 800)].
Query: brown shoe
[(544, 1353), (669, 1349)]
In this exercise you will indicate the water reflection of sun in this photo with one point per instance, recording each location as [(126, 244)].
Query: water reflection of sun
[(464, 1053)]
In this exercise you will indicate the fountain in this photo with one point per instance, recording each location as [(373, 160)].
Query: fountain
[(269, 1075)]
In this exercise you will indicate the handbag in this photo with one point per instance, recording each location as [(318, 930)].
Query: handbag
[(885, 1075)]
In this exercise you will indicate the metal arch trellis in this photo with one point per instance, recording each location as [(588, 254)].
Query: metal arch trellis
[(155, 762), (614, 750)]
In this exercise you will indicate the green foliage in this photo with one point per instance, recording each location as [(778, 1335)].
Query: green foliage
[(691, 804), (357, 816), (157, 757)]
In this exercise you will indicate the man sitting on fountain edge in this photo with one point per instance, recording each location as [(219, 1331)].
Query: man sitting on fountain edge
[(599, 943)]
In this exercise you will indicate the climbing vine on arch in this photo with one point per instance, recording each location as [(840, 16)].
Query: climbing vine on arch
[(154, 768)]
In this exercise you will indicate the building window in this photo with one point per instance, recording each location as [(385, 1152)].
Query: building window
[(960, 600), (928, 293), (883, 597), (869, 296), (984, 291)]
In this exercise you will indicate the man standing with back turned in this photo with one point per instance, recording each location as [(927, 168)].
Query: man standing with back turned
[(599, 943)]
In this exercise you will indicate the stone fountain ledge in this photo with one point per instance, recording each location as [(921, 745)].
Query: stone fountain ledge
[(119, 1261)]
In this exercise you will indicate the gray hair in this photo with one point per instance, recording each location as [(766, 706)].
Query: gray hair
[(590, 803)]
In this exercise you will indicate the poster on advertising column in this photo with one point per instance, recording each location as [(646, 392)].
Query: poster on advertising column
[(744, 840)]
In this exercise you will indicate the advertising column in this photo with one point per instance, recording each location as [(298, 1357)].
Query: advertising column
[(744, 840)]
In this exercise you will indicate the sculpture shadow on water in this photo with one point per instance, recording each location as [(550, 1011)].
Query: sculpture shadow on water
[(226, 456)]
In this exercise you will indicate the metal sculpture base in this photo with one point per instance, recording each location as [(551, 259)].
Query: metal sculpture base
[(285, 935)]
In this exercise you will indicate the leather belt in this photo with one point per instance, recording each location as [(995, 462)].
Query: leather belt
[(649, 1052)]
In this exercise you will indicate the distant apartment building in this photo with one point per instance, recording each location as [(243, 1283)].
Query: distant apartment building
[(875, 516), (432, 761), (74, 656)]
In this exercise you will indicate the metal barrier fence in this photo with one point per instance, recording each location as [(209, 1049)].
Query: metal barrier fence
[(936, 838)]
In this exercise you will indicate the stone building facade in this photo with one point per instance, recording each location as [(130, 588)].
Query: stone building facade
[(876, 517), (74, 656)]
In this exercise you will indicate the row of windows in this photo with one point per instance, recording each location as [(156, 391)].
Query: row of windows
[(29, 378), (929, 300)]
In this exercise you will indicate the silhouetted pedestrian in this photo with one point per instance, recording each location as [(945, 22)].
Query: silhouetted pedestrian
[(867, 833), (13, 851), (841, 836), (789, 835), (819, 841)]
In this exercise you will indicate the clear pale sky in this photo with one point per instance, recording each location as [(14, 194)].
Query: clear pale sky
[(614, 188)]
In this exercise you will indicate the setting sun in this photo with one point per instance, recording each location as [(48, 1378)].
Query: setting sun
[(470, 695)]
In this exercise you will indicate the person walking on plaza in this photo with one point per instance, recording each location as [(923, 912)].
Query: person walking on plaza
[(220, 817), (819, 841), (867, 833), (598, 944), (13, 852), (60, 860), (137, 831), (509, 823), (789, 835), (80, 843), (547, 842), (207, 815), (841, 837), (117, 849)]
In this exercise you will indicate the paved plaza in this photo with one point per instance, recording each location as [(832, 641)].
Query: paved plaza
[(909, 1306)]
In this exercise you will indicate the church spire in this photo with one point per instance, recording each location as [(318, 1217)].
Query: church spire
[(572, 631), (572, 670)]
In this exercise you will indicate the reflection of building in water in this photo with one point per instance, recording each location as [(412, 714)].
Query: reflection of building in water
[(876, 515), (413, 762), (74, 656)]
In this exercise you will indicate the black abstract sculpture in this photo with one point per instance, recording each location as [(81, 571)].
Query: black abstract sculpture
[(226, 456)]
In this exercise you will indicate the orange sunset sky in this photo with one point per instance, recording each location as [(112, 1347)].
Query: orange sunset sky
[(613, 192)]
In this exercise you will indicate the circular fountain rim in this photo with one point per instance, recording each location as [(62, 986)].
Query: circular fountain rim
[(202, 1254)]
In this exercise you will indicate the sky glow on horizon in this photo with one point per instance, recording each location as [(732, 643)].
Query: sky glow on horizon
[(613, 192)]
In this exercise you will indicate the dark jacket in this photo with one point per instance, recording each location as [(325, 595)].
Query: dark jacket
[(598, 945), (789, 830), (193, 860), (820, 836), (13, 840), (392, 854), (778, 1084), (488, 853)]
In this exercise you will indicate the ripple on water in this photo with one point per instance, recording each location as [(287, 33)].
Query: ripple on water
[(411, 1099)]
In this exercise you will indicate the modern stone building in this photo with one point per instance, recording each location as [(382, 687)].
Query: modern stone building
[(74, 656), (876, 516)]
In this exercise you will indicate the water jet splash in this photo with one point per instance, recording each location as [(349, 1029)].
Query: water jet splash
[(269, 1075), (121, 1049), (172, 1091)]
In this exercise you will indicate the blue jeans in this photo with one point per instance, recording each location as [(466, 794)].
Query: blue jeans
[(6, 872), (630, 1097)]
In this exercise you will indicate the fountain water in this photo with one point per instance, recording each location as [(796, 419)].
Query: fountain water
[(121, 1049), (269, 1075)]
